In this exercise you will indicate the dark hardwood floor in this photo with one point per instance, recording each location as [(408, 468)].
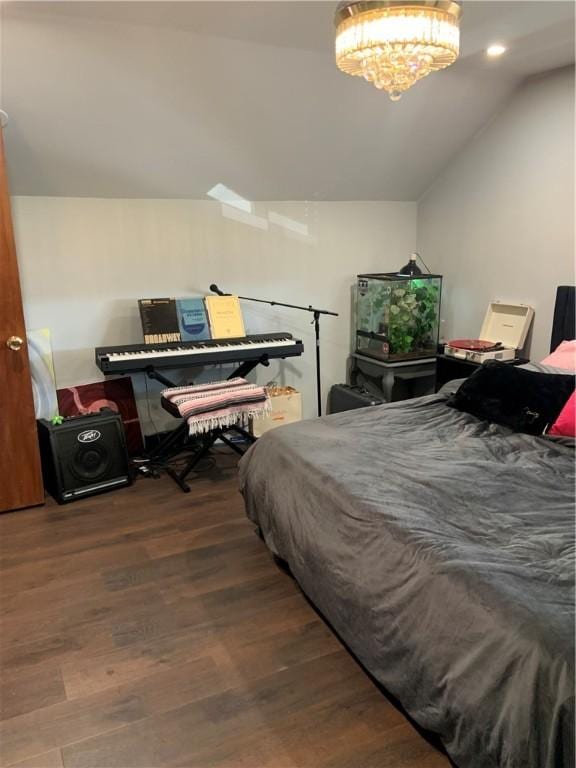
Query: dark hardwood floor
[(151, 628)]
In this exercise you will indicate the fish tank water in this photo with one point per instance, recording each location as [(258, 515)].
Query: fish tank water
[(397, 316)]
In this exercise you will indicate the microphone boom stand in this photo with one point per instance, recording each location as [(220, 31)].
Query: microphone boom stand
[(316, 321)]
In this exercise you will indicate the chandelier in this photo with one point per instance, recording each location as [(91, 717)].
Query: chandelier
[(394, 43)]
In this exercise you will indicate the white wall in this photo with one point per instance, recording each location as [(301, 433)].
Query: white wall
[(84, 262), (499, 222)]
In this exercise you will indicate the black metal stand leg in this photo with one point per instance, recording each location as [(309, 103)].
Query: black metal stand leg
[(180, 477), (246, 435), (209, 440), (167, 443), (232, 445), (247, 366), (318, 382), (152, 373)]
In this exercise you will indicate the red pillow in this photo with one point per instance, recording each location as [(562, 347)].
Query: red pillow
[(565, 424)]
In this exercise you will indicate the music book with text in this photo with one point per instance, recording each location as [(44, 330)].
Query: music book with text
[(192, 319), (225, 315), (159, 320)]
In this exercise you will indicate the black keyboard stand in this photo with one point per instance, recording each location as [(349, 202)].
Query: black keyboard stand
[(179, 439), (152, 373)]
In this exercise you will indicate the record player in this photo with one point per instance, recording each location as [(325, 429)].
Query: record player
[(502, 335)]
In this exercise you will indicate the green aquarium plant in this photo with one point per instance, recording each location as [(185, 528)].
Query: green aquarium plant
[(412, 317)]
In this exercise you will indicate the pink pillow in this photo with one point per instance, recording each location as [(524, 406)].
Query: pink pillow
[(564, 356), (565, 424)]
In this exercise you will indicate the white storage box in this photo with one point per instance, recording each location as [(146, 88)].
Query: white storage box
[(507, 324)]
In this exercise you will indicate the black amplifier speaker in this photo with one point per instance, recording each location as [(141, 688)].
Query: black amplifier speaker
[(83, 455), (344, 397)]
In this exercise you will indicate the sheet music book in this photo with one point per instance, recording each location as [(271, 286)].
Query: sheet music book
[(225, 314), (192, 319), (159, 320)]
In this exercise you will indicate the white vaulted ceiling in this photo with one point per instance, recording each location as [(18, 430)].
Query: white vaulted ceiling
[(168, 99)]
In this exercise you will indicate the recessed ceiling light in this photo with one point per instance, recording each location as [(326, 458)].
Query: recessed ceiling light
[(495, 50)]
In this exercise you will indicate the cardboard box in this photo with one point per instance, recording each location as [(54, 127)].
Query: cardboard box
[(286, 409)]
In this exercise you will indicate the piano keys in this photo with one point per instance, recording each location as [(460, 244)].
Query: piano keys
[(136, 358)]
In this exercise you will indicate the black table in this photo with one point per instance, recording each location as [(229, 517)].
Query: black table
[(449, 368), (392, 381)]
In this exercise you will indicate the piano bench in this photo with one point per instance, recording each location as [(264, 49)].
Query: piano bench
[(170, 408), (201, 444)]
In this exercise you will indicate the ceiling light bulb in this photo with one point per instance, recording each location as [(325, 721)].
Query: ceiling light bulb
[(496, 50)]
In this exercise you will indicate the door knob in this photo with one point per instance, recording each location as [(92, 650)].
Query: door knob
[(15, 343)]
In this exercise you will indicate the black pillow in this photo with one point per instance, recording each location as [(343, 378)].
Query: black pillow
[(523, 400)]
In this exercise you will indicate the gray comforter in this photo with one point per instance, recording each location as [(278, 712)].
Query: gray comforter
[(441, 549)]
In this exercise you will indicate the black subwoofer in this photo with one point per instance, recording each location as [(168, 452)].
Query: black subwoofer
[(83, 456)]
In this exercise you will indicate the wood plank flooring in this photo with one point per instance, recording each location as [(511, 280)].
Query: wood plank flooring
[(151, 628)]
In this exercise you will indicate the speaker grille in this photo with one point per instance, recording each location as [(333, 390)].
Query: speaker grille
[(90, 462)]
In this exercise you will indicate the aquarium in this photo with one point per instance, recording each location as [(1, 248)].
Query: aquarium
[(397, 317)]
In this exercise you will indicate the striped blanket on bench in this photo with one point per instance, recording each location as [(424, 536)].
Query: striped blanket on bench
[(219, 404)]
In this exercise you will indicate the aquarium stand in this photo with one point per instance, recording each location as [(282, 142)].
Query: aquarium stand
[(393, 381)]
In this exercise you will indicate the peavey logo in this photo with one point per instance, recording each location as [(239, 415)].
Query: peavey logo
[(89, 435)]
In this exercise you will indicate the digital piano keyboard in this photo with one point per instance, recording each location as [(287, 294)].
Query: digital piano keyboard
[(135, 358)]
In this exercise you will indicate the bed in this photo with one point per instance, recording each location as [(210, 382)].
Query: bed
[(441, 550)]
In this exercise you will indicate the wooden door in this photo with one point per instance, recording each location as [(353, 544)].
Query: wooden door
[(20, 472)]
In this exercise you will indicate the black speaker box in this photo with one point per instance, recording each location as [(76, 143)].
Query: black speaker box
[(343, 397), (83, 456)]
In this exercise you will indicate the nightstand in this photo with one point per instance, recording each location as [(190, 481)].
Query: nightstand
[(449, 368)]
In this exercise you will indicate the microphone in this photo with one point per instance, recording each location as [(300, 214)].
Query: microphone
[(214, 288)]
